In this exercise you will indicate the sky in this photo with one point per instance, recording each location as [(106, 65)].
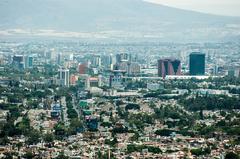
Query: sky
[(219, 7)]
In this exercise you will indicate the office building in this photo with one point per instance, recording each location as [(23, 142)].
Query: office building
[(96, 61), (197, 64), (63, 77), (116, 79), (82, 68), (234, 72), (59, 59), (123, 57), (169, 67), (124, 63), (49, 55), (2, 60), (107, 62), (133, 68), (28, 61), (18, 62)]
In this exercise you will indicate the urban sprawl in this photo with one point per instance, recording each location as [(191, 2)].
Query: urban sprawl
[(65, 99)]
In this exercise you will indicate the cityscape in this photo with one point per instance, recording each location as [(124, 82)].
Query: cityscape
[(118, 97)]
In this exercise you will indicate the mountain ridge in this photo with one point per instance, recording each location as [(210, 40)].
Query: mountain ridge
[(121, 16)]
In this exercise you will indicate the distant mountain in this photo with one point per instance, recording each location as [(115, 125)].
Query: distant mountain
[(112, 19)]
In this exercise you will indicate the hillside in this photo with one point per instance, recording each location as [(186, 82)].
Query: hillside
[(111, 18)]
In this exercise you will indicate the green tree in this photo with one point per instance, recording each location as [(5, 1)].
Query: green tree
[(33, 137), (232, 155), (48, 138), (62, 156), (28, 155), (8, 155)]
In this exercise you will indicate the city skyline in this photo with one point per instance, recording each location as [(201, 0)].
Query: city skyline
[(119, 79)]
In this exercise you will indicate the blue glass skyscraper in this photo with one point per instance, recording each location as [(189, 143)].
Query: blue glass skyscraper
[(197, 63)]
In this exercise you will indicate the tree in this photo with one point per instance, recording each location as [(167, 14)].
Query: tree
[(24, 126), (19, 145), (155, 150), (62, 156), (29, 155), (163, 132), (135, 136), (132, 106), (33, 137), (112, 143), (72, 113), (4, 140), (196, 152), (48, 138), (60, 130), (75, 125), (201, 151), (8, 155), (232, 155)]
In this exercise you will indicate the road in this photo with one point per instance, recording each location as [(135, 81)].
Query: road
[(75, 106), (64, 110)]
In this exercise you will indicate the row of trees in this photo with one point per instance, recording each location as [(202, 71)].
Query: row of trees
[(211, 102), (139, 148)]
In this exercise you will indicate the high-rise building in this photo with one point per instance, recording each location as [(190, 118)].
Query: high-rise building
[(197, 63), (59, 58), (82, 68), (28, 61), (49, 55), (70, 56), (2, 59), (63, 77), (234, 72), (116, 80), (96, 61), (169, 67), (18, 61), (123, 57), (125, 62), (107, 61)]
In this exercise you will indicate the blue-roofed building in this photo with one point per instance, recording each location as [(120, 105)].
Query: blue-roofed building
[(56, 107)]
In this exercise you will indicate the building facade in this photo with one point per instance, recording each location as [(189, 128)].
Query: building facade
[(82, 68), (197, 64), (63, 77), (169, 67)]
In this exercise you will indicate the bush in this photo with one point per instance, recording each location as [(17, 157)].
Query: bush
[(132, 106), (232, 155), (164, 132)]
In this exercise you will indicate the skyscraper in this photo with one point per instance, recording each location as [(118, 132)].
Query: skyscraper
[(169, 67), (59, 59), (107, 61), (63, 77), (28, 61), (18, 62), (197, 63), (96, 61), (82, 68), (123, 57)]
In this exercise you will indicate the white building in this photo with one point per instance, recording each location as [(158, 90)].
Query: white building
[(63, 77), (153, 86)]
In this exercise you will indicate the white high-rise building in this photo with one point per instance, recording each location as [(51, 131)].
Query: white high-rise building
[(63, 77)]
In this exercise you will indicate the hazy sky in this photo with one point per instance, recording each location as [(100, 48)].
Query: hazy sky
[(221, 7)]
